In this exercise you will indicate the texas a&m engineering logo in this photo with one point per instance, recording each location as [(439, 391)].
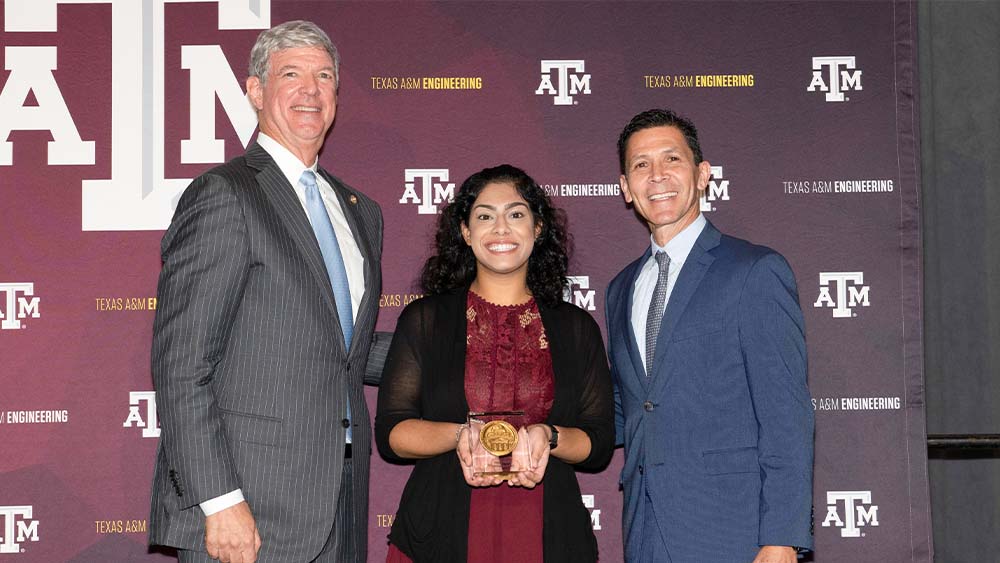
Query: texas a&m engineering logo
[(841, 76), (150, 424), (17, 302), (570, 80), (435, 189), (858, 512), (850, 291), (18, 528)]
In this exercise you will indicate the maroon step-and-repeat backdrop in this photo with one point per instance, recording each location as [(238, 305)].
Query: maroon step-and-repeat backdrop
[(807, 113)]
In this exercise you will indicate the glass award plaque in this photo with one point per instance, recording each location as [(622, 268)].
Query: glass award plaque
[(498, 443)]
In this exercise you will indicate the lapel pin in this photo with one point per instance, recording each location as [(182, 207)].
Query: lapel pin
[(353, 199)]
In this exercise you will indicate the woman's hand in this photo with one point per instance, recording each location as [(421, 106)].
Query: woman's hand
[(468, 442), (536, 437)]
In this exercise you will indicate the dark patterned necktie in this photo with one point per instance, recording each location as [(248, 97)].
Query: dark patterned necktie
[(655, 314)]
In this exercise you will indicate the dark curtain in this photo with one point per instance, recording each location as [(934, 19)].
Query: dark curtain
[(959, 49)]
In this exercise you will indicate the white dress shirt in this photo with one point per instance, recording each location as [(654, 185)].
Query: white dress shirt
[(677, 249), (292, 168), (354, 262)]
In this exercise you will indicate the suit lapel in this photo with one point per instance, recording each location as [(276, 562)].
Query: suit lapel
[(289, 210), (626, 318), (693, 271), (349, 204)]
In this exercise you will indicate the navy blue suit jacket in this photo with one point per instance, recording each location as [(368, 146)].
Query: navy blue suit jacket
[(720, 435)]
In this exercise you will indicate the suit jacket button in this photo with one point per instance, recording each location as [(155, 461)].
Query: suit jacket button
[(640, 470), (649, 406), (345, 423)]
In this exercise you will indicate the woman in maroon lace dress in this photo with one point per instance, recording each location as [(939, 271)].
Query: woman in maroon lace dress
[(494, 334)]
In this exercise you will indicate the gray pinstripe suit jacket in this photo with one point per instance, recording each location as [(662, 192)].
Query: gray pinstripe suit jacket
[(251, 375)]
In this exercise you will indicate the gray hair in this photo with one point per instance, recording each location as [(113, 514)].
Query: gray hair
[(290, 35)]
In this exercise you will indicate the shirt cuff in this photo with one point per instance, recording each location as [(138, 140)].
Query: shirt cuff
[(220, 503)]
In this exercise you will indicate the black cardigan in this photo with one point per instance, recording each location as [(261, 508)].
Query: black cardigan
[(424, 378)]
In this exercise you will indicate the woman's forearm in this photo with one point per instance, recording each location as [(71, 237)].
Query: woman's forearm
[(574, 444), (416, 439)]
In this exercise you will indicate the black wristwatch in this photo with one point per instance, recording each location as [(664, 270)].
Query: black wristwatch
[(554, 439)]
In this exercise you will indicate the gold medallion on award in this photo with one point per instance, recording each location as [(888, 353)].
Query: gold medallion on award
[(497, 446)]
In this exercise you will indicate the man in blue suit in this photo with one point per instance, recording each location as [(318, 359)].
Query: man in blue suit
[(708, 353)]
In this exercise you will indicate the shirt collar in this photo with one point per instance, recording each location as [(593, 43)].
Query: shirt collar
[(287, 162), (680, 246)]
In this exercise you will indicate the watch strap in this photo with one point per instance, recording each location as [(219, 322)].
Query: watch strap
[(554, 438)]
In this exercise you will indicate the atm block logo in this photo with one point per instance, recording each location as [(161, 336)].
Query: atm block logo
[(17, 303), (18, 528), (716, 190), (149, 423), (842, 292), (137, 195), (435, 189), (595, 513), (850, 511), (578, 292), (835, 76), (562, 80)]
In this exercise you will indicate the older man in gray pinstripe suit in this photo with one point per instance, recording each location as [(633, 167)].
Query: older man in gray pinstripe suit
[(267, 304)]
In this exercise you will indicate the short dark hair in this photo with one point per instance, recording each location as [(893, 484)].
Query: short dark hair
[(453, 265), (659, 118)]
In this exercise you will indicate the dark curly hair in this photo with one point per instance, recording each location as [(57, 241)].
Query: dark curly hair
[(453, 266), (658, 118)]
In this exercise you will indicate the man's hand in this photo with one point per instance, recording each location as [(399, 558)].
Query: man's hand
[(775, 554), (231, 535)]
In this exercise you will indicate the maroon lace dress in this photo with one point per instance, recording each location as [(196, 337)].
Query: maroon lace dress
[(507, 367)]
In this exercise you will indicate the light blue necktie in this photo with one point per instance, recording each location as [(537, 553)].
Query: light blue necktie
[(327, 239)]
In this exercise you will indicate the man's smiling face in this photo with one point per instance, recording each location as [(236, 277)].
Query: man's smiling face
[(662, 180), (297, 103)]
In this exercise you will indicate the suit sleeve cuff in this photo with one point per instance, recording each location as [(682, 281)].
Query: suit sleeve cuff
[(220, 503)]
